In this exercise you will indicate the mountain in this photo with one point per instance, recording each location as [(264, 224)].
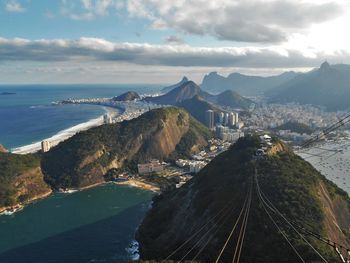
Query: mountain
[(85, 158), (183, 92), (232, 99), (327, 86), (197, 107), (244, 84), (127, 96), (21, 179), (189, 89), (295, 127), (169, 88), (201, 214)]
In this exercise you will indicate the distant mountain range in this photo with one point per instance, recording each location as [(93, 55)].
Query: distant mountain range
[(244, 84), (328, 86), (189, 89)]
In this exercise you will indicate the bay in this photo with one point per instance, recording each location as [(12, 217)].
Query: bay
[(94, 225)]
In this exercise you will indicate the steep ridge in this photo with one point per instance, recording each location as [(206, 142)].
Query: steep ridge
[(21, 179), (327, 86), (84, 159), (169, 88), (290, 183), (183, 92)]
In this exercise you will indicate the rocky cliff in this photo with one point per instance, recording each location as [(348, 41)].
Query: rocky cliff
[(21, 179), (2, 149), (189, 217), (85, 158)]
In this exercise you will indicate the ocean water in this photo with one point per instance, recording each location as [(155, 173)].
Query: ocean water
[(332, 159), (29, 117), (94, 225)]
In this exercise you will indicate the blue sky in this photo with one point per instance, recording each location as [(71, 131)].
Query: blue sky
[(159, 41)]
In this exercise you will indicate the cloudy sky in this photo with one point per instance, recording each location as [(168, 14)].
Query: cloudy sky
[(159, 41)]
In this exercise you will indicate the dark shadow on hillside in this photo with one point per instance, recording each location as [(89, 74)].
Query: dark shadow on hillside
[(102, 241)]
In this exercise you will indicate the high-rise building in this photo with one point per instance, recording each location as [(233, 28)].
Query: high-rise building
[(107, 119), (209, 119), (231, 119), (45, 146), (226, 118), (236, 117), (221, 117)]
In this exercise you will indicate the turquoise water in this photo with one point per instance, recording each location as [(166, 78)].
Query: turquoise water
[(28, 116), (95, 225)]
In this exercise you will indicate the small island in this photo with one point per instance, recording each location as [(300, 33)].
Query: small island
[(7, 93)]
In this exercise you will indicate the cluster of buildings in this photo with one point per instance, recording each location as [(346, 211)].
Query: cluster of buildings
[(265, 144), (152, 166), (227, 134), (229, 119), (194, 166), (274, 115), (226, 125)]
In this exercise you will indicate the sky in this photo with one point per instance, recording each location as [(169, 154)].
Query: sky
[(159, 41)]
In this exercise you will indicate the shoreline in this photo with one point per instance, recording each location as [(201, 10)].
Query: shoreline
[(140, 184), (20, 206), (133, 183), (65, 134)]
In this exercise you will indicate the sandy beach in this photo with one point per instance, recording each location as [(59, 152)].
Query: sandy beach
[(140, 184), (64, 134)]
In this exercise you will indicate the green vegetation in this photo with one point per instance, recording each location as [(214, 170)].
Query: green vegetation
[(12, 168), (295, 127), (233, 99), (290, 183), (197, 107), (164, 183), (197, 130), (85, 158), (127, 96)]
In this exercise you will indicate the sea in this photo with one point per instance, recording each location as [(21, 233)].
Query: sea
[(94, 225), (28, 116), (332, 159)]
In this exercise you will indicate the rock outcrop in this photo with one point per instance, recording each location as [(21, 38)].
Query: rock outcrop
[(85, 158)]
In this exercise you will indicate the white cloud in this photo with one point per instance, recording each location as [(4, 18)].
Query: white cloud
[(90, 9), (237, 20), (94, 49), (14, 6)]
